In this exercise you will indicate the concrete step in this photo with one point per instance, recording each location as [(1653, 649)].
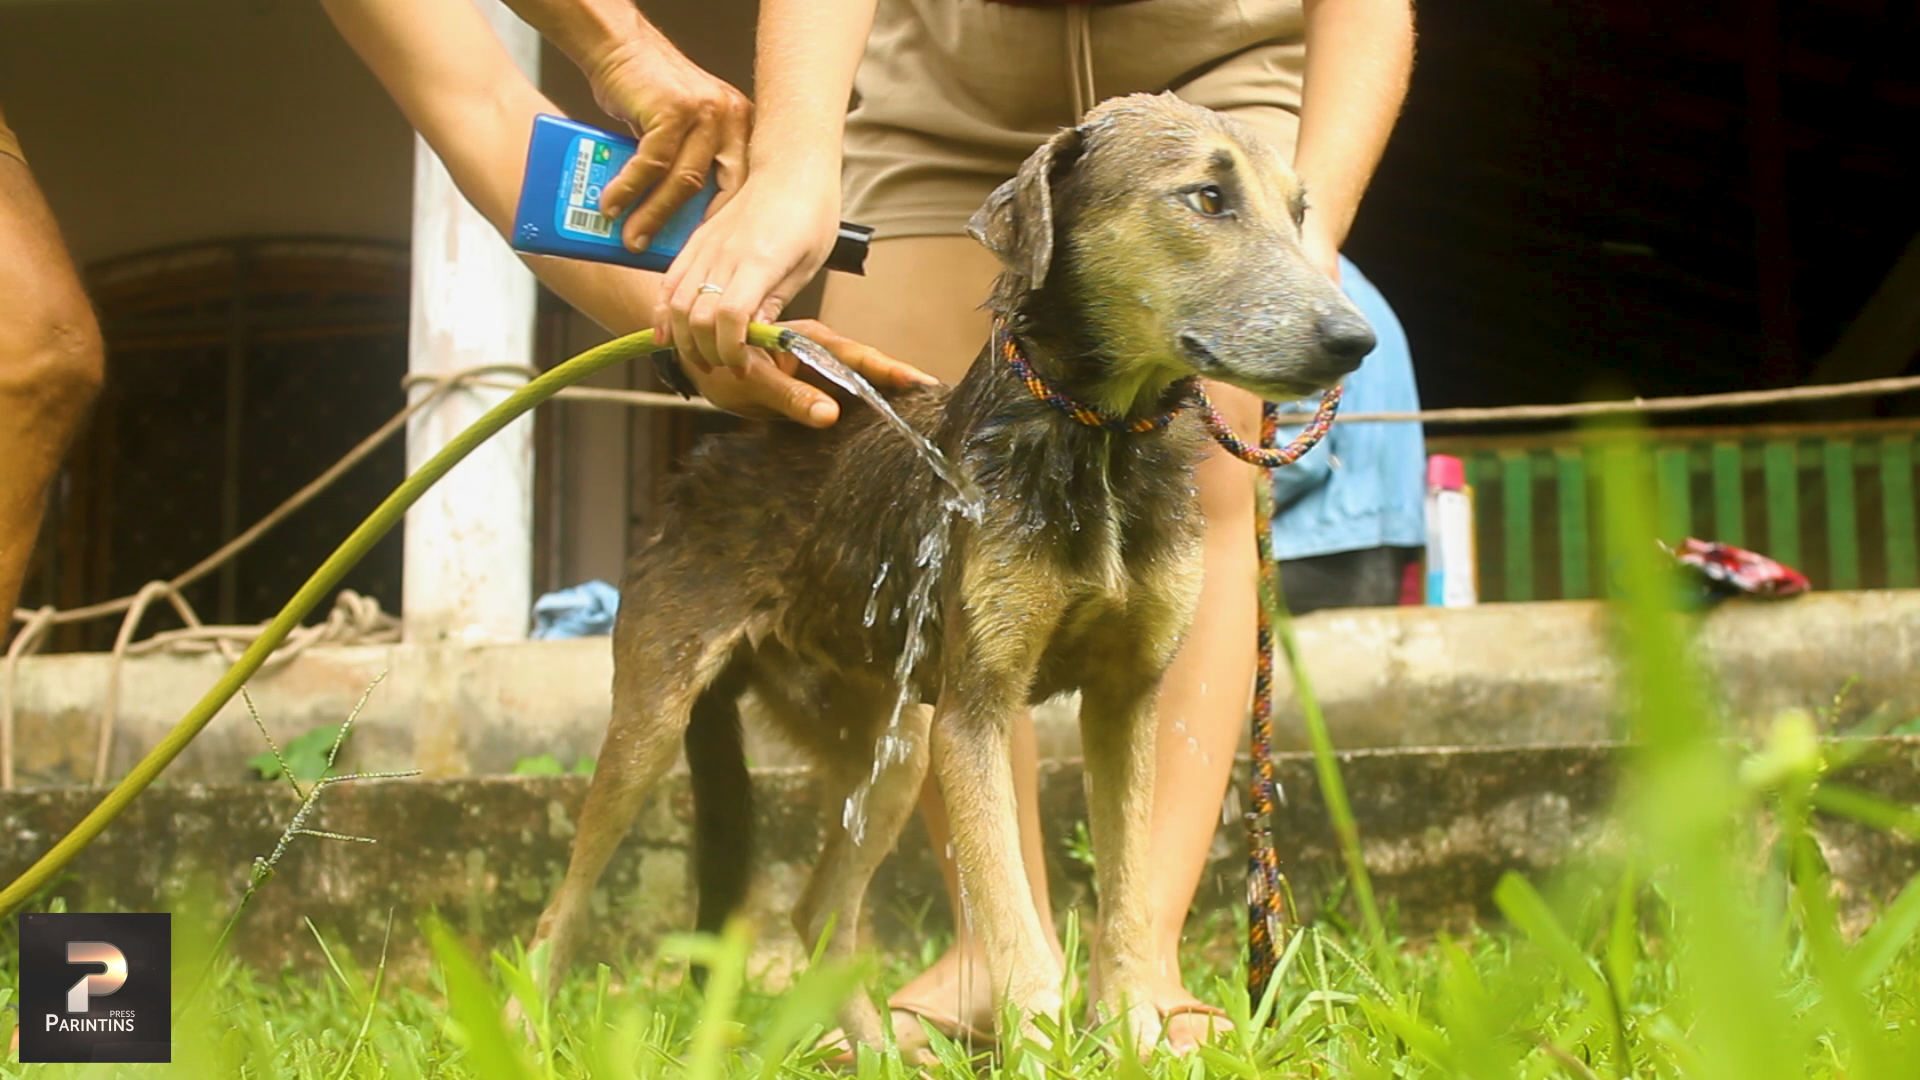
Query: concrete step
[(1497, 675), (1439, 827)]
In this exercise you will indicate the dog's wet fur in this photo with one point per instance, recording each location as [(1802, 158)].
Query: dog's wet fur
[(1153, 242)]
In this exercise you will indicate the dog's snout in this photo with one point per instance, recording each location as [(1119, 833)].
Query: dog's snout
[(1345, 337)]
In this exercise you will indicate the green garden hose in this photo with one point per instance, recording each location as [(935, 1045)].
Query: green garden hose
[(325, 579)]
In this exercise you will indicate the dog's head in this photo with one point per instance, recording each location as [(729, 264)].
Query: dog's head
[(1169, 236)]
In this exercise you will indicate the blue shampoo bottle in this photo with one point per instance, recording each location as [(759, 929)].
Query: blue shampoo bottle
[(568, 163)]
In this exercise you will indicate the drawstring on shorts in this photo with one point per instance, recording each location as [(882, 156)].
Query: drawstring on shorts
[(1080, 60)]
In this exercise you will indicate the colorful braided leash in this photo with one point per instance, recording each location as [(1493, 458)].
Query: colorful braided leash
[(1266, 892)]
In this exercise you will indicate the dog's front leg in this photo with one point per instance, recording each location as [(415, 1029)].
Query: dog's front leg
[(972, 759), (1117, 738)]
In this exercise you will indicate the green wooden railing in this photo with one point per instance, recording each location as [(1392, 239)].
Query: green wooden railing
[(1834, 501)]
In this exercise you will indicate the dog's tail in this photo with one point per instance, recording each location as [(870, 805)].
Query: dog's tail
[(722, 800)]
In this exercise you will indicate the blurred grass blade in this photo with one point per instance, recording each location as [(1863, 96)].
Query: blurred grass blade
[(1525, 909), (1867, 809), (1687, 808), (1879, 947), (373, 1000), (1421, 1037), (524, 985), (725, 959), (810, 1003), (475, 1011)]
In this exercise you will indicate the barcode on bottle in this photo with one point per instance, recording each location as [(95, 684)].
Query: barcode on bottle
[(582, 165), (581, 219)]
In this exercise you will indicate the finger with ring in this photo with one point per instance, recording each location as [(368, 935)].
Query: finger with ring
[(710, 287)]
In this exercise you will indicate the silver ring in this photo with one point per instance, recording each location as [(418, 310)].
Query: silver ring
[(710, 287)]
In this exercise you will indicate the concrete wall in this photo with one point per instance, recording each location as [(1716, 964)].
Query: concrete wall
[(1498, 675), (1505, 674), (1438, 829)]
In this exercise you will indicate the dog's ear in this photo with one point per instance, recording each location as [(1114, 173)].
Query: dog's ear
[(1016, 223)]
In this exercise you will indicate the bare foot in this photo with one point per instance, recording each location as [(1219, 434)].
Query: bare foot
[(954, 987), (952, 996), (1186, 1021)]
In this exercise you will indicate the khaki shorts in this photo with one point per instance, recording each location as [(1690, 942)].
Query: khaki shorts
[(954, 94)]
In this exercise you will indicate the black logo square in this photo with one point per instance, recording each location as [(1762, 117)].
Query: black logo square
[(96, 987)]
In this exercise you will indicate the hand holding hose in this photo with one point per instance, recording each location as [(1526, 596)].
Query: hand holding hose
[(767, 385), (746, 263)]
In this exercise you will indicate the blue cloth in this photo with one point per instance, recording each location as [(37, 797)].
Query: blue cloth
[(582, 611), (1364, 486)]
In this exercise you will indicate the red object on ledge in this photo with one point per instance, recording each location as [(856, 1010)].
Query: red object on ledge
[(1731, 569)]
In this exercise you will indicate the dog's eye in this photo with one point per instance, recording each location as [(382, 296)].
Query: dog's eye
[(1208, 200)]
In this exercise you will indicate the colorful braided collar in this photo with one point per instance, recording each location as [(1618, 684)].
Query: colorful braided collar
[(1080, 412)]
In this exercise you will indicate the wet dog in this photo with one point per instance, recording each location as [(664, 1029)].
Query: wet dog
[(1152, 244)]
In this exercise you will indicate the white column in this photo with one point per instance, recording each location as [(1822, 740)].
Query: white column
[(467, 574)]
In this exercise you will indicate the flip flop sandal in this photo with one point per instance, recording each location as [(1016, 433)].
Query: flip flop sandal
[(1214, 1030), (1196, 1008), (909, 1037)]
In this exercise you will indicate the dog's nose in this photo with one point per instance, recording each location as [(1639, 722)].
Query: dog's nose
[(1345, 337)]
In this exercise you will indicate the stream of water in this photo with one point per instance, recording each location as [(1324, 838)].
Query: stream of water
[(844, 377), (929, 561)]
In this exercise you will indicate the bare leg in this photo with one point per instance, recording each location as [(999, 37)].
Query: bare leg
[(1202, 713), (50, 367)]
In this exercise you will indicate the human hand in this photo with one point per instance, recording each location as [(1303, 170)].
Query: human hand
[(745, 263), (766, 386), (687, 121), (1321, 249)]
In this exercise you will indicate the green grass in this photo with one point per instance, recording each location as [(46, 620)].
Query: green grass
[(1702, 943), (1495, 1004)]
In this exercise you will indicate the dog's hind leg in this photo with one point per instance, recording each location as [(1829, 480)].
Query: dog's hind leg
[(657, 681), (870, 810)]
